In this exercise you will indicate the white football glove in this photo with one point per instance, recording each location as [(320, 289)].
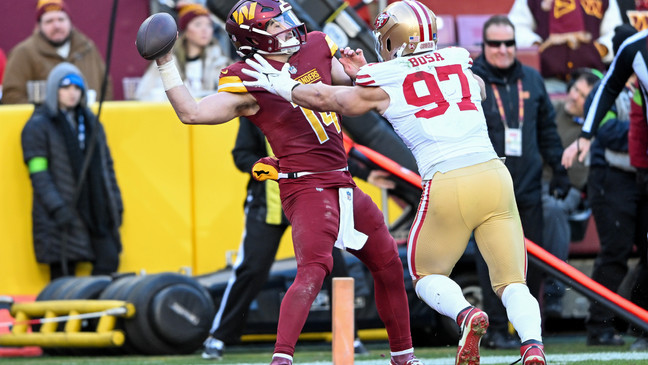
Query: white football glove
[(269, 78)]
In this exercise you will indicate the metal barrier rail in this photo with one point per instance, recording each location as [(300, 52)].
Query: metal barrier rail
[(586, 286), (50, 313)]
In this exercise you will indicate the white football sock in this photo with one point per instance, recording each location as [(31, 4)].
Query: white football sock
[(442, 294), (278, 354), (523, 311)]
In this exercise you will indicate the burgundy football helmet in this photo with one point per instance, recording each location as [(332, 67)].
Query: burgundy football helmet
[(265, 26)]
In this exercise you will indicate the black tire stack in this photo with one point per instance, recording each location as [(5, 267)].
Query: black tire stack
[(173, 312)]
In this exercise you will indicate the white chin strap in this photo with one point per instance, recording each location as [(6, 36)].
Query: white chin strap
[(290, 46)]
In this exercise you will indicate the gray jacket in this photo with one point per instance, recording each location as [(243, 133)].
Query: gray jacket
[(54, 187)]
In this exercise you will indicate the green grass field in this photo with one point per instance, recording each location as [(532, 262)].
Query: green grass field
[(563, 349)]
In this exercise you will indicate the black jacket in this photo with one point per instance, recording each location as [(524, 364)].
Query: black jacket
[(98, 211), (611, 133), (540, 140), (55, 187), (630, 58), (250, 146)]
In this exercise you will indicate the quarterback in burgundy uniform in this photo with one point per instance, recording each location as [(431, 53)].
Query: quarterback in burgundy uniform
[(304, 140), (318, 194), (433, 100)]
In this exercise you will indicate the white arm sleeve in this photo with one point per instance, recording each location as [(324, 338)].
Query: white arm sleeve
[(611, 19)]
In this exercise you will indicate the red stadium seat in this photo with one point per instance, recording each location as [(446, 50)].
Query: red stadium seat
[(446, 30), (469, 29)]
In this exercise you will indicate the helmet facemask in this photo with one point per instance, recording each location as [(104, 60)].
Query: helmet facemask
[(290, 39), (387, 49), (251, 25)]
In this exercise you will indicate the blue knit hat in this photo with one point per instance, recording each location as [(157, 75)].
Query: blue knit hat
[(72, 79)]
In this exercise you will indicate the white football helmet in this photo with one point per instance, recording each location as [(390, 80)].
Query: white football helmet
[(403, 28)]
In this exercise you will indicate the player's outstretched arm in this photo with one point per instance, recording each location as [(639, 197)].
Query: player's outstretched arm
[(321, 97), (214, 109), (344, 100)]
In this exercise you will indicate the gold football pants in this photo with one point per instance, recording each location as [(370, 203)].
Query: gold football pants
[(477, 198)]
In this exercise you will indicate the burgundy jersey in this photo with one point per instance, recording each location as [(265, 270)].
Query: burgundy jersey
[(302, 139)]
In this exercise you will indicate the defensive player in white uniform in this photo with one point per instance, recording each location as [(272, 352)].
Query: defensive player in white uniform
[(433, 100)]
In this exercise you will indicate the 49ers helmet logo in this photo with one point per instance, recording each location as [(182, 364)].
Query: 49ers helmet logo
[(381, 20)]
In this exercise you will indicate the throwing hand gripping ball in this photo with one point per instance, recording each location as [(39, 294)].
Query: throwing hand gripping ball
[(156, 36)]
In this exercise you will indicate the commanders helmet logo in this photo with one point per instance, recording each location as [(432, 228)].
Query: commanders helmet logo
[(243, 14), (381, 20)]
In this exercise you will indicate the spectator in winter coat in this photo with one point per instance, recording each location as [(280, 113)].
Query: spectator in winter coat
[(55, 143), (557, 230), (54, 40), (569, 35)]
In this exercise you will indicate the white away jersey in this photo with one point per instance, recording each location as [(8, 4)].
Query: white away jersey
[(435, 107)]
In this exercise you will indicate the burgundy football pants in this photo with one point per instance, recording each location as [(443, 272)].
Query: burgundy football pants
[(314, 215)]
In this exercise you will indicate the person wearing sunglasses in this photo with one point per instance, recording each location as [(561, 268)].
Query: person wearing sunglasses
[(522, 128), (557, 229)]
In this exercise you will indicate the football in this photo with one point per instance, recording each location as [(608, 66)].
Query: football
[(156, 36)]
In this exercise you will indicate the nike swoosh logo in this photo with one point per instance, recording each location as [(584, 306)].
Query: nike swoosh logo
[(262, 172), (224, 71)]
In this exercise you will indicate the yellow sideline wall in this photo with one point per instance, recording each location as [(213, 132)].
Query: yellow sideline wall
[(183, 196)]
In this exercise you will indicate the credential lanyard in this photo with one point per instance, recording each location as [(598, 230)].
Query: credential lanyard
[(500, 105)]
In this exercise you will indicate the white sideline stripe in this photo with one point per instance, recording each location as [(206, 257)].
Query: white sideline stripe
[(553, 359)]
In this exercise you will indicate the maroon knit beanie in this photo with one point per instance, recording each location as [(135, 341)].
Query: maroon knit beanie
[(188, 12), (44, 6)]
